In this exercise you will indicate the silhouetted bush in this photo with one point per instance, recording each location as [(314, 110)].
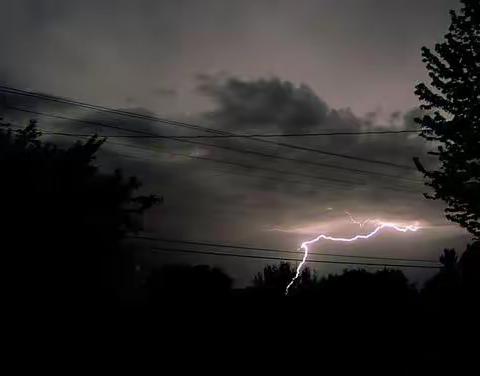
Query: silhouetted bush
[(184, 283), (469, 266), (64, 220)]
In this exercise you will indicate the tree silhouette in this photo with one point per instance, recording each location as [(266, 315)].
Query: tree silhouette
[(64, 220), (184, 282), (274, 280), (444, 288), (366, 290), (453, 117), (469, 265)]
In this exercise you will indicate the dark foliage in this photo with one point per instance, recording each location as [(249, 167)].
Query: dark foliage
[(183, 282), (444, 288), (354, 288), (453, 117), (63, 220), (274, 279), (469, 266)]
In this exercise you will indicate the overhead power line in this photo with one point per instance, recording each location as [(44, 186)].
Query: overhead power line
[(15, 91), (343, 183), (225, 254), (256, 168), (262, 135), (282, 172), (319, 134), (229, 246), (186, 140)]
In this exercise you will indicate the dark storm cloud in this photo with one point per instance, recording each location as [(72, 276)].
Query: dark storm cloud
[(264, 104), (273, 105)]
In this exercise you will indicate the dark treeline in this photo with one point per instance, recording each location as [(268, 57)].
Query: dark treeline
[(456, 284)]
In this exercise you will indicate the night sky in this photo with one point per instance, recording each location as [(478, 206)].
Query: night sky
[(245, 67)]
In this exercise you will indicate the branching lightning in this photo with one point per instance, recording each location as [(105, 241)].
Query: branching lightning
[(361, 224), (380, 225)]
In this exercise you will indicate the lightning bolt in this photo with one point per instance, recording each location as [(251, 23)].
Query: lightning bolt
[(361, 224), (380, 226)]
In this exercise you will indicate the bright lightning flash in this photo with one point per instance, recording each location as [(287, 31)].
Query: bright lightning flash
[(380, 225)]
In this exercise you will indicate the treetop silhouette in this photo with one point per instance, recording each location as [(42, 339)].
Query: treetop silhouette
[(452, 120)]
